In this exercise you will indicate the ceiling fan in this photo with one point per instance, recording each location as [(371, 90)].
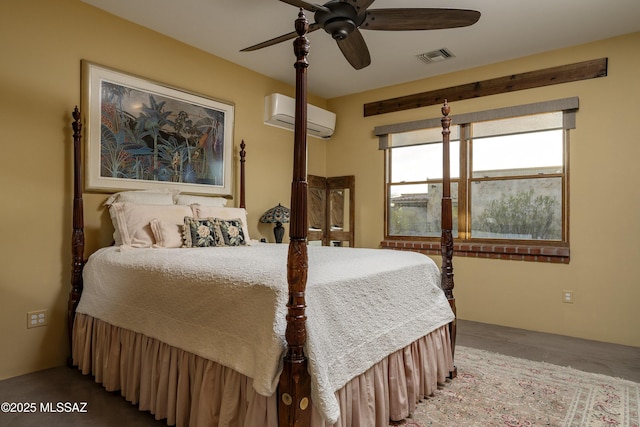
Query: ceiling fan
[(344, 19)]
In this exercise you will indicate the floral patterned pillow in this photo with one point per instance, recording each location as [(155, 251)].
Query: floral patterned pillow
[(200, 233), (230, 232)]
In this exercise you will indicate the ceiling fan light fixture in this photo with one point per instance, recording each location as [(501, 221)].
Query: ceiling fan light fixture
[(436, 56)]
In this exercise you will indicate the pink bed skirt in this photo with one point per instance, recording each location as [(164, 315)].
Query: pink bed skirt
[(188, 390)]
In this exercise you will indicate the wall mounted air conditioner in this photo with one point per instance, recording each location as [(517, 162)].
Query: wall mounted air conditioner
[(279, 110)]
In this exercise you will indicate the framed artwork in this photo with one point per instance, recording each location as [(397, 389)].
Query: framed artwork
[(142, 134)]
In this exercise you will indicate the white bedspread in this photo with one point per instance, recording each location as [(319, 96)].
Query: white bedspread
[(228, 305)]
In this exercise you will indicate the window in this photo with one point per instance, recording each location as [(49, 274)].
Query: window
[(509, 178)]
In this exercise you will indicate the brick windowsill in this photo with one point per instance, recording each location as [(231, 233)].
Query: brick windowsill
[(552, 254)]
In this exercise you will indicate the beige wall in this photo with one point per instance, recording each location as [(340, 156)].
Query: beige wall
[(604, 271), (42, 43)]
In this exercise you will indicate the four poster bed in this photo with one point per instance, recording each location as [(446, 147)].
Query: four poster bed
[(223, 335)]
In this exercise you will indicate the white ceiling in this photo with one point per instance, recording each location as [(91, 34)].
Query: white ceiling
[(507, 29)]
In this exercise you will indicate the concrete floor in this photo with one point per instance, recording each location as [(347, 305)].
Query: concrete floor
[(590, 356), (110, 409)]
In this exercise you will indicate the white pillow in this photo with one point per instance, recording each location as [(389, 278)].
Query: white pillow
[(200, 211), (187, 199), (166, 234), (162, 196), (133, 221)]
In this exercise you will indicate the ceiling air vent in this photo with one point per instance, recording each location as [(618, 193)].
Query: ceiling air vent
[(436, 56)]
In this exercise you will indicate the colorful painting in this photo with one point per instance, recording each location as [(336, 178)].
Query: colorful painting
[(146, 135)]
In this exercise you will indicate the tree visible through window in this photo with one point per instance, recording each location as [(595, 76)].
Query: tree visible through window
[(520, 216)]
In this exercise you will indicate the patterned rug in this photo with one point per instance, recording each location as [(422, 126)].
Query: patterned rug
[(496, 390)]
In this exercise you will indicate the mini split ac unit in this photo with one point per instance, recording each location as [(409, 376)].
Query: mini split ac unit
[(279, 110)]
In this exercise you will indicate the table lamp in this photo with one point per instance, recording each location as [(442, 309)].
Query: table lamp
[(276, 215)]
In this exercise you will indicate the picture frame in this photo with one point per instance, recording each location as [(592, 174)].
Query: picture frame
[(142, 134)]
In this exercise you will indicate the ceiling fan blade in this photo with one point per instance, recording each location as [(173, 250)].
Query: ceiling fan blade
[(355, 50), (359, 5), (418, 19), (276, 40), (311, 7)]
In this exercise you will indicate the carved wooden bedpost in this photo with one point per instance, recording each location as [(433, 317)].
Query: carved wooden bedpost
[(77, 238), (446, 242), (243, 154), (294, 391)]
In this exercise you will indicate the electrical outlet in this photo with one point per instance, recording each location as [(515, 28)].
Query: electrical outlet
[(567, 296), (37, 318)]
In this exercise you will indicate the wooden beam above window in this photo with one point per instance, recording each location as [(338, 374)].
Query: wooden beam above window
[(549, 76)]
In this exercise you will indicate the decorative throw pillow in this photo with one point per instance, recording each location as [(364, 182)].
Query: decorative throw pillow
[(199, 233), (230, 231), (200, 211), (132, 221), (166, 234)]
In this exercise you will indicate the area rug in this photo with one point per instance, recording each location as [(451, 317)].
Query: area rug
[(496, 390)]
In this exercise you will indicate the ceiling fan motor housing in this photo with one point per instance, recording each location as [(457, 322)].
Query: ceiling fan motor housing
[(340, 21)]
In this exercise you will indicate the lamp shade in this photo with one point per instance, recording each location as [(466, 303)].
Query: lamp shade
[(277, 214)]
